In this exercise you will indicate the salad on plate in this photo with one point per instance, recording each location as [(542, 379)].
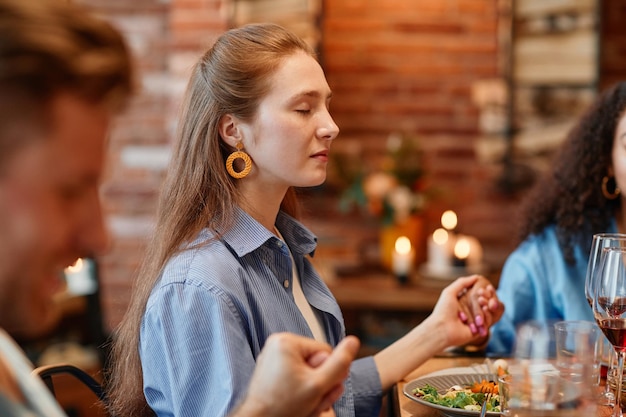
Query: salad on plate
[(469, 397)]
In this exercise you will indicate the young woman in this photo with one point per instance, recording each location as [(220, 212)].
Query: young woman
[(544, 278), (228, 265)]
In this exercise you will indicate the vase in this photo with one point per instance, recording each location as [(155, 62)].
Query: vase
[(411, 227)]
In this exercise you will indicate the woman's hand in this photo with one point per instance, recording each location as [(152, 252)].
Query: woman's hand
[(480, 308), (473, 304), (442, 329)]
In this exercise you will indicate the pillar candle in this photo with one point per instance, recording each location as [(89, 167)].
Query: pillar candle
[(462, 249), (439, 253), (403, 257)]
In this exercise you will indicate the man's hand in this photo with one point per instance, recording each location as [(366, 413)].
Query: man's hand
[(297, 376)]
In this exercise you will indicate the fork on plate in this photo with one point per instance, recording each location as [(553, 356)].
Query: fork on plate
[(483, 408), (485, 370)]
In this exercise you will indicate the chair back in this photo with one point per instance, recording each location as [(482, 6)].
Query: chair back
[(69, 384)]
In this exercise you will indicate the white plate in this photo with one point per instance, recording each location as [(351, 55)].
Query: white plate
[(442, 382)]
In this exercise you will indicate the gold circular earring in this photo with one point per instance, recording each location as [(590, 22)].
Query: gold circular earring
[(605, 191), (238, 154)]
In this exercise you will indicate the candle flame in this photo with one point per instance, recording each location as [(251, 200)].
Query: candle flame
[(440, 236), (462, 248), (403, 245), (449, 219), (77, 266)]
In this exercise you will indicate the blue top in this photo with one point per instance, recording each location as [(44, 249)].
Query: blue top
[(215, 305), (538, 284)]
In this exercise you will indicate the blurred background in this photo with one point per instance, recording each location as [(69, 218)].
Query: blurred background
[(442, 104)]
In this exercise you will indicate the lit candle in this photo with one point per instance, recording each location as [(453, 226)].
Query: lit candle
[(402, 258), (439, 251), (475, 256), (449, 220), (79, 278), (462, 250)]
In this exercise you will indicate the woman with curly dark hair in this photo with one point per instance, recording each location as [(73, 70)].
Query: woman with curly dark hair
[(543, 279)]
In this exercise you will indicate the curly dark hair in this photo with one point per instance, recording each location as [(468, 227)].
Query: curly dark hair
[(570, 195)]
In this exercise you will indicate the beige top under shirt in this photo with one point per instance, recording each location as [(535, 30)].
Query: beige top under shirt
[(303, 305)]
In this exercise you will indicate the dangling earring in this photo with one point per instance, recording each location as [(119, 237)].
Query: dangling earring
[(605, 192), (238, 154)]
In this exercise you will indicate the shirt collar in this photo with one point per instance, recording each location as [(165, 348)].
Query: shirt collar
[(247, 234)]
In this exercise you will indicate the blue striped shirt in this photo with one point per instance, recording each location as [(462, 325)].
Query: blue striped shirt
[(214, 306)]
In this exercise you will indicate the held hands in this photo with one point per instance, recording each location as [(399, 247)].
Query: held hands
[(467, 308), (297, 376), (479, 306)]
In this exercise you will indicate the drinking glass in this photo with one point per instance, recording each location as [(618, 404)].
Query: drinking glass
[(536, 386), (578, 352), (609, 309), (599, 242), (529, 385)]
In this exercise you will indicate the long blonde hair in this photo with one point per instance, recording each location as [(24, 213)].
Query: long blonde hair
[(232, 77)]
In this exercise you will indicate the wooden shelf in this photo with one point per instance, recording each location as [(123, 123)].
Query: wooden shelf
[(384, 292), (379, 309)]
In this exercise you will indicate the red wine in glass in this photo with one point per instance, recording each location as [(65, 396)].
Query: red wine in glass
[(614, 306), (615, 332), (609, 309)]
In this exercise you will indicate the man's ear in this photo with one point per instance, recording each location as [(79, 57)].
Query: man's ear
[(228, 130)]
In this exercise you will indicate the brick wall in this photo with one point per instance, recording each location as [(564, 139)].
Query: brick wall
[(165, 37), (613, 45), (394, 65), (406, 66)]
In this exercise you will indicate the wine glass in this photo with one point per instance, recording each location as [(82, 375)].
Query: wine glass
[(609, 309), (599, 242)]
